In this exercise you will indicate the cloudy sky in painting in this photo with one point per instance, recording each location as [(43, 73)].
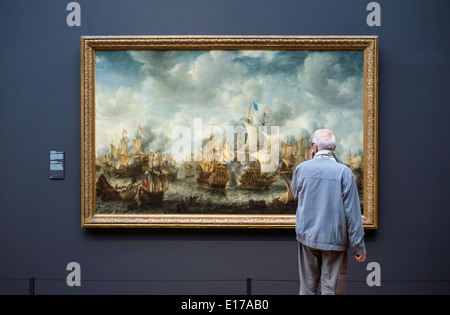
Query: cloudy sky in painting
[(158, 90)]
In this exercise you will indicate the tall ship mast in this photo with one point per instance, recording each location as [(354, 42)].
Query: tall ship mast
[(253, 177)]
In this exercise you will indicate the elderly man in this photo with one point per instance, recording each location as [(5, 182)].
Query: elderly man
[(328, 218)]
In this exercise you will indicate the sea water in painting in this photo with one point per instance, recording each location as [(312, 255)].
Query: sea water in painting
[(183, 131)]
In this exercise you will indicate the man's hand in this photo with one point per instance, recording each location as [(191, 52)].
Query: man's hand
[(360, 258)]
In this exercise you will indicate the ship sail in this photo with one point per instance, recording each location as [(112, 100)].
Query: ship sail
[(211, 153), (259, 146), (283, 150), (137, 147), (156, 182), (287, 152), (302, 150), (153, 194), (211, 150), (268, 155), (164, 182), (105, 159), (124, 157), (123, 147), (252, 137), (113, 154), (160, 183), (156, 160), (293, 155), (288, 195)]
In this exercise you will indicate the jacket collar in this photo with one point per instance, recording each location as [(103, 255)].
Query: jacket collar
[(327, 154)]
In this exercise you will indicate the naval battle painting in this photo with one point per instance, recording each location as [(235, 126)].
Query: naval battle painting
[(207, 131)]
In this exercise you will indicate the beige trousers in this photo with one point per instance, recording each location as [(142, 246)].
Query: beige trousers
[(329, 268)]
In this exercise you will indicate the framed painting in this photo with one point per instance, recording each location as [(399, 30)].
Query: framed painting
[(206, 131)]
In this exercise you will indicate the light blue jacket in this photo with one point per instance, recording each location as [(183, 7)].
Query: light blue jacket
[(328, 213)]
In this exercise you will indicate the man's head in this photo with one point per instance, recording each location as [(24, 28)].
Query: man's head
[(323, 139)]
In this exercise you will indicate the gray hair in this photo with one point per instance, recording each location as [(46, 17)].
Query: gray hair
[(324, 139)]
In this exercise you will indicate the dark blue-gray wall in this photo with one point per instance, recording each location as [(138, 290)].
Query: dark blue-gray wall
[(40, 229)]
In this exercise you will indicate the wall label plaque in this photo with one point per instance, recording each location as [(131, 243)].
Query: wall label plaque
[(56, 164)]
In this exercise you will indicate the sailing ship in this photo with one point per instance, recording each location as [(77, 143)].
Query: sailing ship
[(122, 163), (213, 174), (168, 167), (258, 144), (293, 155), (253, 178), (151, 192), (163, 164)]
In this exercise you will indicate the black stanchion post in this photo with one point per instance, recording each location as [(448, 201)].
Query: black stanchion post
[(249, 286), (31, 285)]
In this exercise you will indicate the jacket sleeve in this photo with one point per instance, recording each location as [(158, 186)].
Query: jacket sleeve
[(355, 228), (295, 182)]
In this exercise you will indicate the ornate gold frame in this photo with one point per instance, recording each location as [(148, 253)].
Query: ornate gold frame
[(89, 44)]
